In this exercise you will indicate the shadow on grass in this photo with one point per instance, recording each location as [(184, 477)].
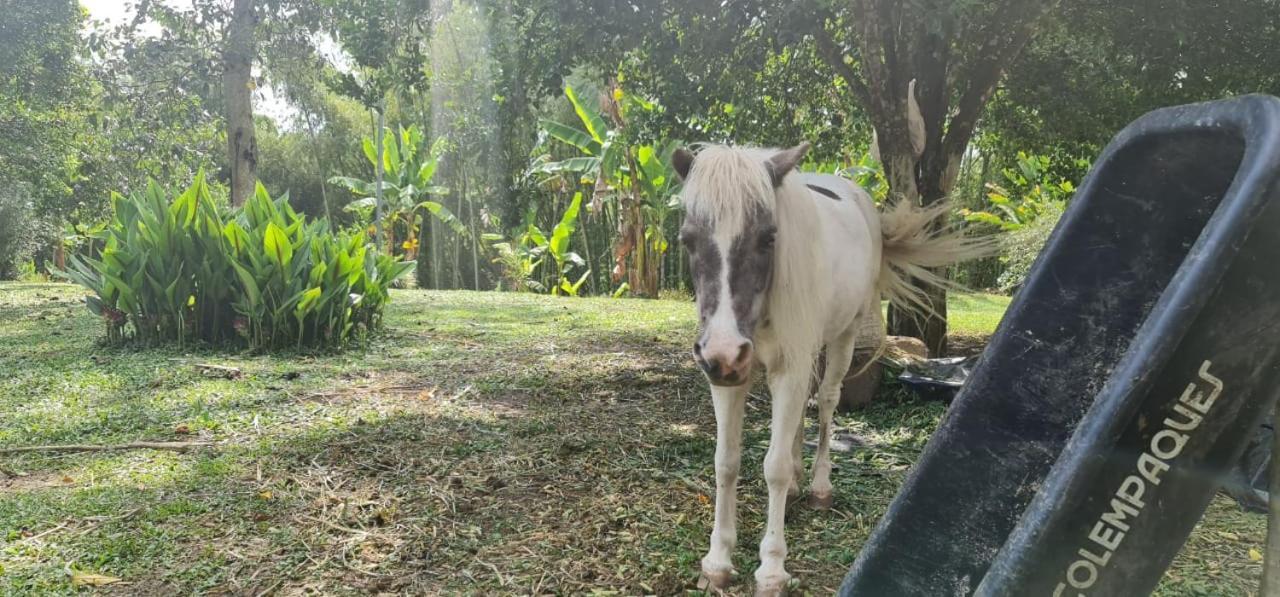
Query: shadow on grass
[(557, 491)]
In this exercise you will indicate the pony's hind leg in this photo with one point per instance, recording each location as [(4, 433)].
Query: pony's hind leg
[(839, 355)]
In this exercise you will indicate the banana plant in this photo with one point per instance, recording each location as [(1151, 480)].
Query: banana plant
[(658, 182), (409, 165), (521, 257), (1033, 193), (558, 247), (601, 159), (638, 177)]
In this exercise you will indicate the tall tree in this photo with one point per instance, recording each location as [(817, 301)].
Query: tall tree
[(956, 52), (237, 80), (43, 124), (1095, 66)]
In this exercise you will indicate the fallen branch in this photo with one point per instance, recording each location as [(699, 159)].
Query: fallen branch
[(37, 536), (220, 370), (172, 446)]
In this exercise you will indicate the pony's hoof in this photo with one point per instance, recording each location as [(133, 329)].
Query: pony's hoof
[(774, 586), (716, 580), (821, 502)]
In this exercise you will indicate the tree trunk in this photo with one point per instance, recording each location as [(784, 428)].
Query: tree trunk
[(59, 255), (475, 245), (377, 171), (311, 129), (896, 44), (457, 246), (237, 61), (932, 331)]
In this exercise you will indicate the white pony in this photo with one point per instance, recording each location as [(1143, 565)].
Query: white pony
[(786, 264)]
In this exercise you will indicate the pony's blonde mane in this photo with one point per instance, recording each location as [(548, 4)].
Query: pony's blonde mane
[(724, 185)]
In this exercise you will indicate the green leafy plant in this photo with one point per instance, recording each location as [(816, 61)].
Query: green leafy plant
[(409, 166), (521, 257), (1028, 193), (261, 275), (637, 177), (1026, 207), (1020, 247), (558, 247)]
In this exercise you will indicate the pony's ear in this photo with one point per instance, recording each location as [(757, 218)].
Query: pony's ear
[(682, 161), (785, 161)]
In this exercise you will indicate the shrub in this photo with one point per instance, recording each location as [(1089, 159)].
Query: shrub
[(260, 275), (519, 258), (1029, 192), (1026, 209), (17, 240), (1022, 246)]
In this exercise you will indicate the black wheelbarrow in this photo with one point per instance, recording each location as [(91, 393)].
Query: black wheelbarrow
[(1128, 374)]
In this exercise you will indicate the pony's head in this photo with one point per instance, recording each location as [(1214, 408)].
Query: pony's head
[(730, 231)]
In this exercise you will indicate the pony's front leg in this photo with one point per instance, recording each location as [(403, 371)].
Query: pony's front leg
[(717, 566), (789, 391)]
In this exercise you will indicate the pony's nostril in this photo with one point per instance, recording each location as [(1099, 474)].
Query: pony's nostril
[(744, 351), (710, 367), (697, 348)]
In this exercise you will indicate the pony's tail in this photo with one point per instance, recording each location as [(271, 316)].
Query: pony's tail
[(914, 249)]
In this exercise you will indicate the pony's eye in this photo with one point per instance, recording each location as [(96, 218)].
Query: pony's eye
[(768, 237), (688, 240)]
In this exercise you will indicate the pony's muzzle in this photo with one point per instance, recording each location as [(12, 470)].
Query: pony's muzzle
[(724, 363)]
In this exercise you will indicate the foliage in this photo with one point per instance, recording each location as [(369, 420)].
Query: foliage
[(520, 258), (1096, 66), (300, 156), (45, 110), (186, 269), (86, 108), (384, 40), (16, 238), (1023, 245), (408, 167), (1030, 193), (636, 177)]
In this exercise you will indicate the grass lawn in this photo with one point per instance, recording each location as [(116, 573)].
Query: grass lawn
[(486, 443)]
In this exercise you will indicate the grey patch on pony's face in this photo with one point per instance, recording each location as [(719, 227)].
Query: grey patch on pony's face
[(751, 270), (704, 264), (750, 262)]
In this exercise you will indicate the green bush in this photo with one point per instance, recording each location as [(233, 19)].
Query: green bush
[(260, 275), (17, 240), (1022, 246), (1028, 192)]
